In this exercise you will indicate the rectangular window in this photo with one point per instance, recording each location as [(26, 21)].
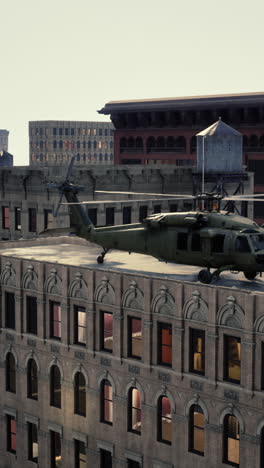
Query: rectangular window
[(157, 209), (18, 219), (79, 325), (32, 315), (127, 215), (143, 212), (48, 219), (105, 459), (110, 216), (133, 463), (107, 332), (32, 220), (182, 239), (55, 320), (80, 454), (134, 338), (10, 310), (232, 364), (5, 217), (33, 442), (197, 351), (55, 450), (164, 344), (92, 213), (173, 207), (10, 434)]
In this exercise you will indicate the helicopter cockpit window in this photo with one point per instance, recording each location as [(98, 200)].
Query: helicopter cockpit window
[(196, 242), (257, 241), (242, 244), (182, 240), (218, 243)]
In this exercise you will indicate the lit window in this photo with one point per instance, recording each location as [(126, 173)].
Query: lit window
[(196, 430), (55, 320), (164, 344), (134, 338), (10, 311), (32, 315), (134, 410), (79, 394), (232, 351), (164, 420), (106, 402), (100, 144), (10, 373), (11, 434), (94, 131), (55, 387), (197, 351), (55, 450), (80, 454), (79, 325), (32, 442), (32, 380), (5, 217), (107, 332), (231, 440)]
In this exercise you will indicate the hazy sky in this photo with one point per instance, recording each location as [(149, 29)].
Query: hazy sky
[(64, 60)]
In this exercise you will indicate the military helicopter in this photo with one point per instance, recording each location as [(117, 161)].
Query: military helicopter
[(207, 237)]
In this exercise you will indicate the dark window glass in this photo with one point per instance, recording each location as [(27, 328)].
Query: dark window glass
[(143, 212), (92, 213), (110, 216), (196, 430), (32, 379), (157, 209), (60, 131), (105, 459), (18, 219), (55, 387), (231, 440), (134, 410), (127, 215), (10, 311), (196, 242), (10, 373), (164, 420), (5, 217), (218, 243), (10, 434), (32, 315), (54, 131), (80, 454), (242, 244), (134, 338), (107, 332), (72, 131), (164, 344), (262, 367), (182, 240), (48, 218), (197, 351), (55, 450), (32, 220), (55, 320), (173, 207), (79, 394), (106, 402), (133, 464), (79, 325), (232, 350), (32, 442), (262, 448), (66, 131)]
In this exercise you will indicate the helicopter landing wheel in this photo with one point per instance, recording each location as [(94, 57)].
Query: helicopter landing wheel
[(204, 276), (250, 275), (100, 259)]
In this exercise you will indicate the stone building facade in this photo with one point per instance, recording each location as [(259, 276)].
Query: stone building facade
[(108, 368), (55, 142), (4, 140)]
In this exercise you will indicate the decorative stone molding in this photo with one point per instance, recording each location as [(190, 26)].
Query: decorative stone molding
[(32, 355), (165, 392), (53, 283), (197, 401), (134, 383), (231, 409), (231, 314), (30, 279), (81, 369), (105, 292), (163, 303), (55, 362), (107, 376), (259, 324), (133, 297), (8, 275), (78, 288), (196, 308)]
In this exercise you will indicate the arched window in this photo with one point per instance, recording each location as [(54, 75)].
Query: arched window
[(164, 420), (134, 410), (106, 402), (196, 430), (231, 440), (79, 394), (170, 142), (139, 142), (161, 142), (253, 141), (10, 373), (150, 143), (55, 386), (131, 142), (32, 379)]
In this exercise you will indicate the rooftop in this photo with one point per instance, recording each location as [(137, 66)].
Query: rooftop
[(73, 251)]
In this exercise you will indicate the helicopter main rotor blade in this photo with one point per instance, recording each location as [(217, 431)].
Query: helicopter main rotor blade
[(166, 195), (245, 195), (243, 199), (70, 168), (109, 202)]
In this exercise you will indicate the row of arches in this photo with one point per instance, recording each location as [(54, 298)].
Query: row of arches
[(79, 157), (153, 144), (253, 142)]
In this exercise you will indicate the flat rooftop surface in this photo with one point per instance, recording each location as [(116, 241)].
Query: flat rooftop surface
[(78, 252)]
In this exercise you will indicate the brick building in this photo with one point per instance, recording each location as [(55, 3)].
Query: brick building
[(107, 367)]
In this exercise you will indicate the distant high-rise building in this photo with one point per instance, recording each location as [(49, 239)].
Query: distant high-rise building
[(4, 140), (53, 142)]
